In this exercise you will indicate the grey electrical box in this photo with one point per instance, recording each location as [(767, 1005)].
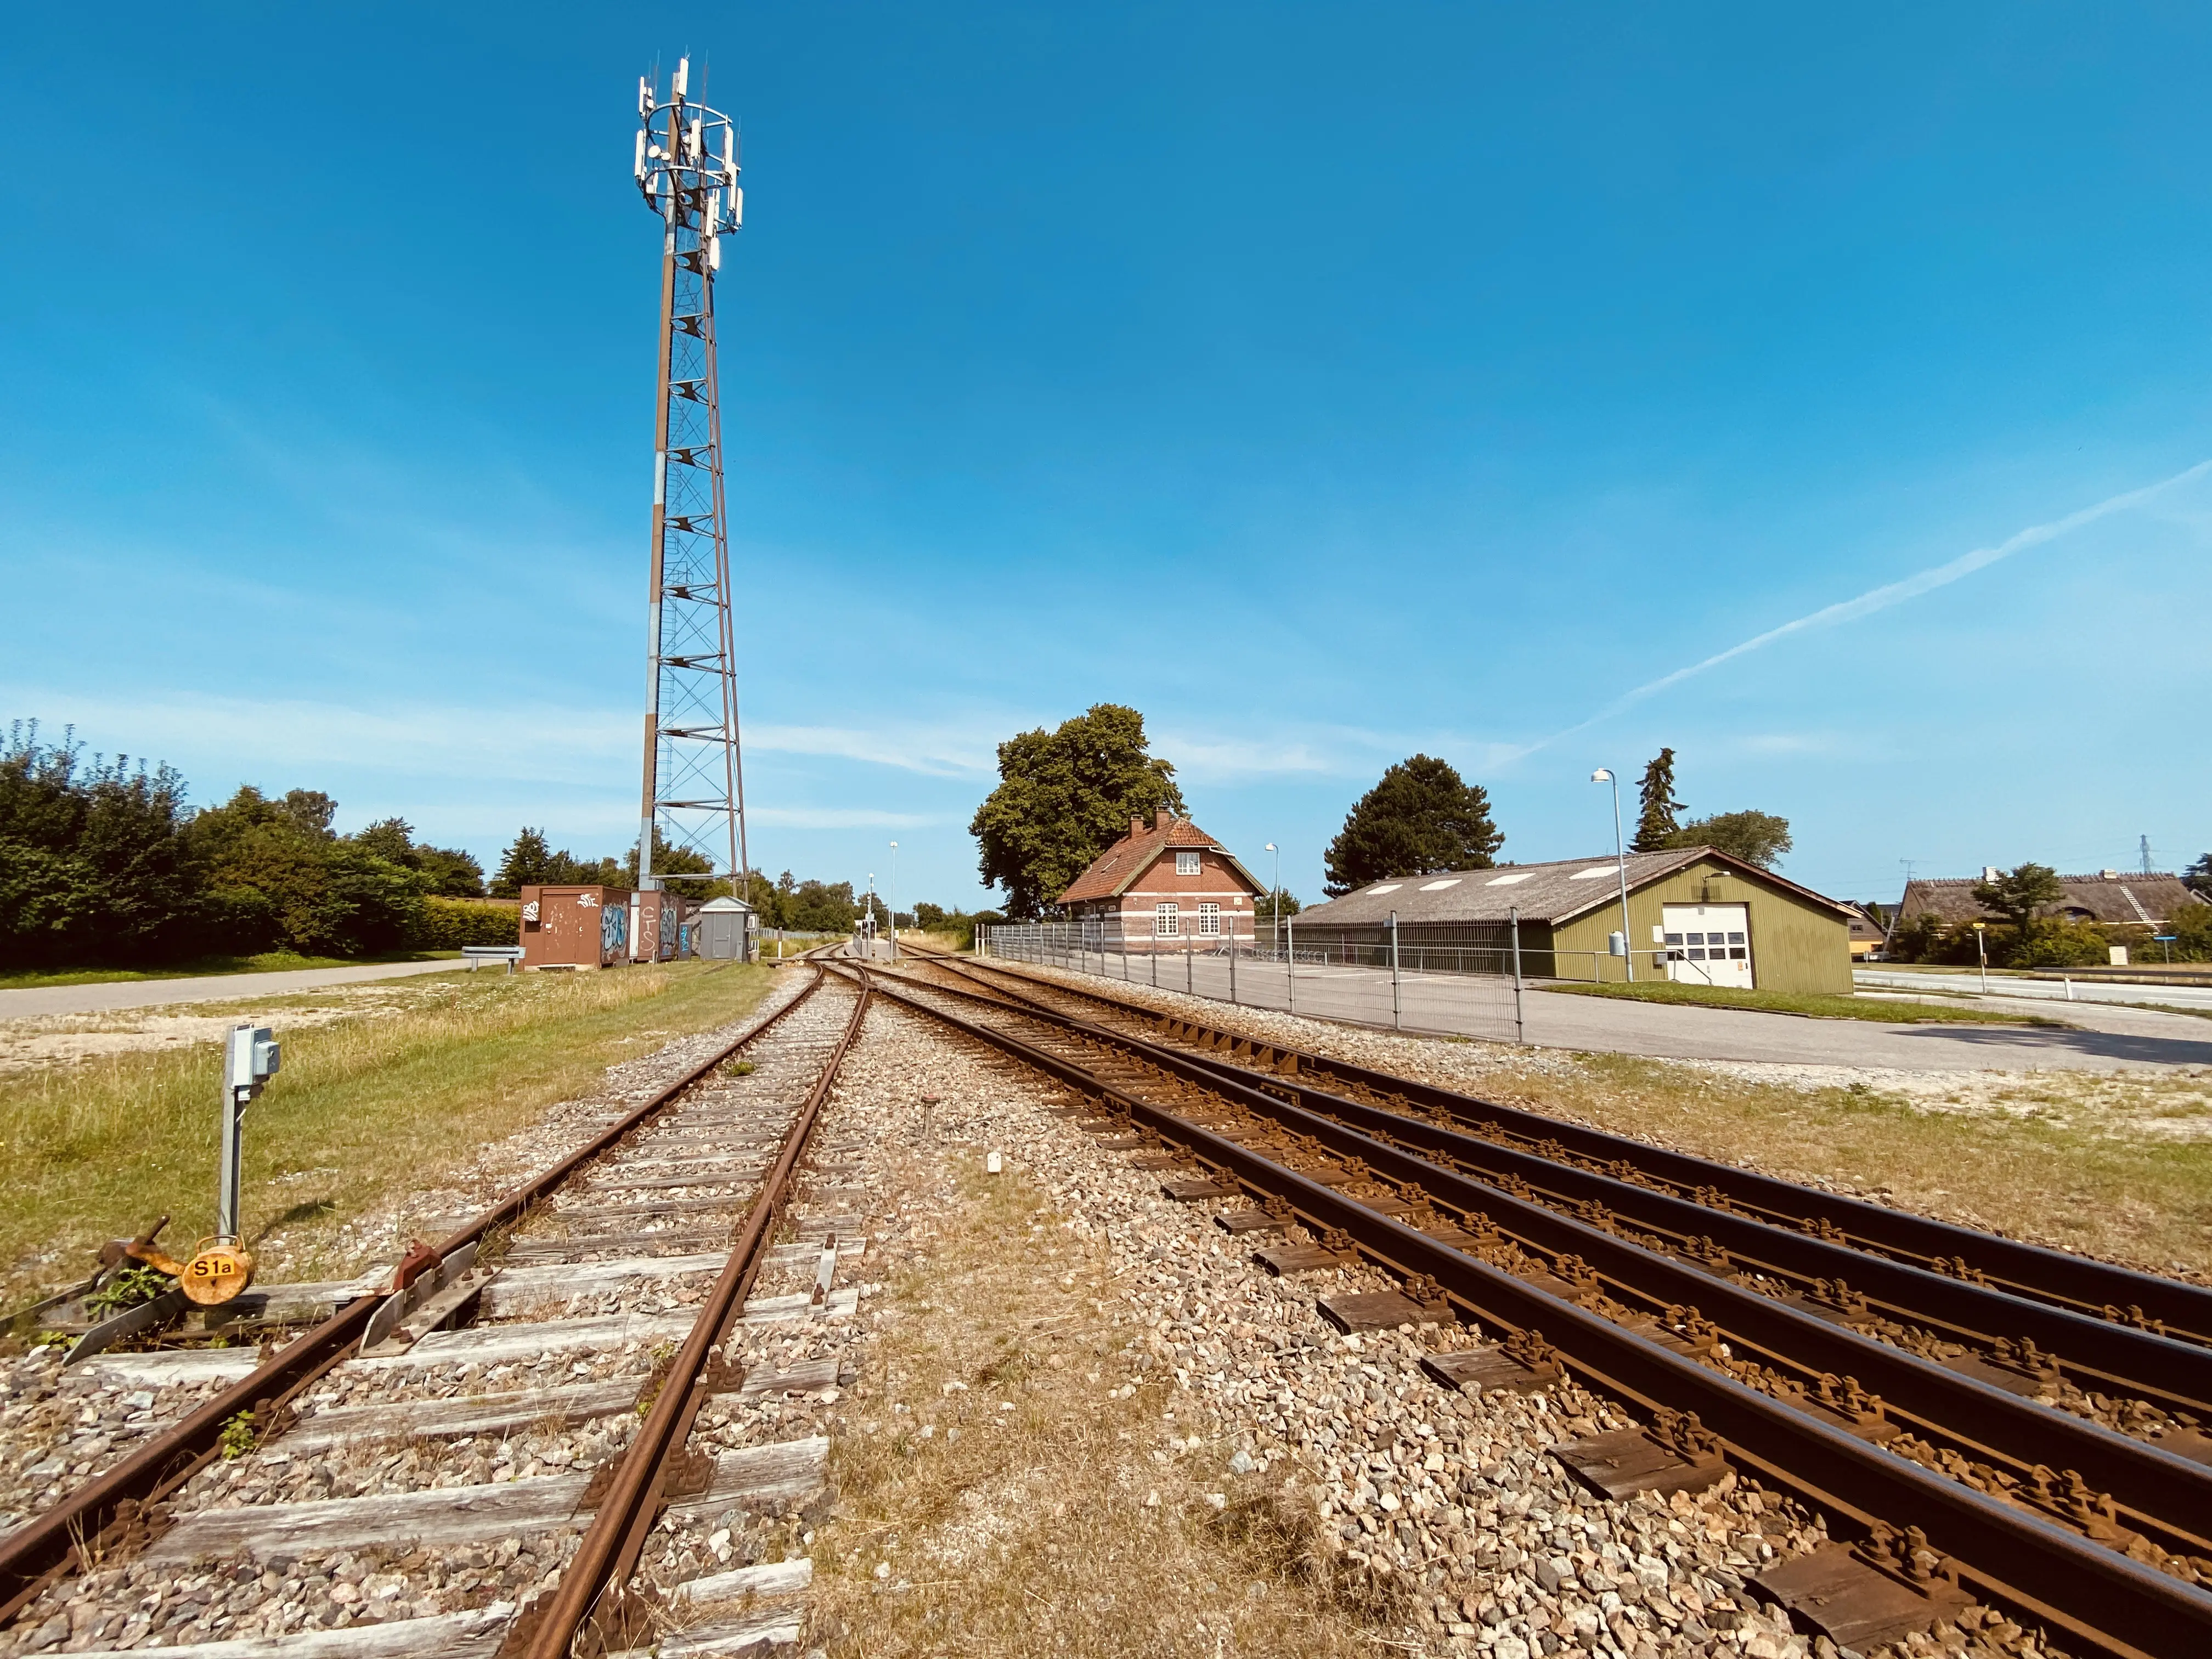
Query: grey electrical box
[(251, 1057)]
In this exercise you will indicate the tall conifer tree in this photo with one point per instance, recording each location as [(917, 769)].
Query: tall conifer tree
[(1657, 825)]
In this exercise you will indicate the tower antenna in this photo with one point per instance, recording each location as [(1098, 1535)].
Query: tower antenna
[(694, 798)]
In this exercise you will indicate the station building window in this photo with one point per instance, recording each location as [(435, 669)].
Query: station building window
[(1166, 921), (1209, 920), (1186, 864)]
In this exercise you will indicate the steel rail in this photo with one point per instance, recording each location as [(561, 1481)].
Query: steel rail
[(2094, 1595), (2175, 1376), (97, 1513), (610, 1547), (2032, 1272), (2154, 1485)]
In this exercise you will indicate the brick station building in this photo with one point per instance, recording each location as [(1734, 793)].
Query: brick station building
[(1167, 885)]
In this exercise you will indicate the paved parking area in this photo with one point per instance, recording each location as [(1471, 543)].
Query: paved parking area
[(2103, 1038)]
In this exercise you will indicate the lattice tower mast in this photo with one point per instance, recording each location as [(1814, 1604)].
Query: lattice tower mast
[(695, 792)]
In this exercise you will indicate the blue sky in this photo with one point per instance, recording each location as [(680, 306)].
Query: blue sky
[(1330, 383)]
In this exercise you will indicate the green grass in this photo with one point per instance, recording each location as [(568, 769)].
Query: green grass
[(1888, 1012), (399, 1097), (268, 961)]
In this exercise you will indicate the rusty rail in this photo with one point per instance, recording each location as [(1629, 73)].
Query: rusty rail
[(609, 1550), (2096, 1596), (103, 1511), (2028, 1271), (2175, 1376)]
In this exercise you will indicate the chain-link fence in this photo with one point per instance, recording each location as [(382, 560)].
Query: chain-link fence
[(1461, 991)]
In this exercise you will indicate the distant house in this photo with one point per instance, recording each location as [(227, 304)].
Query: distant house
[(1868, 935), (2119, 897), (1695, 915), (1167, 885)]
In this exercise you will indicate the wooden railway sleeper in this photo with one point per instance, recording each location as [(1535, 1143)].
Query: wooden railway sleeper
[(2097, 1596), (1976, 1313), (2152, 1483), (2031, 1272)]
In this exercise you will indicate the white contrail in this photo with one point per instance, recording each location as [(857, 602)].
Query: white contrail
[(1881, 599)]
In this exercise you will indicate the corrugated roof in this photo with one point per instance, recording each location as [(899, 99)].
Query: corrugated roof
[(1548, 893), (2119, 897), (1113, 870)]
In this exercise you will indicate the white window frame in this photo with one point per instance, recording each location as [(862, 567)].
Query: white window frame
[(1167, 920), (1186, 863), (1209, 921)]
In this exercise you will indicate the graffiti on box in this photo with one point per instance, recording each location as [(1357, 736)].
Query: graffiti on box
[(614, 930)]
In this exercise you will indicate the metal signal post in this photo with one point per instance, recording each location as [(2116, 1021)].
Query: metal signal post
[(686, 167)]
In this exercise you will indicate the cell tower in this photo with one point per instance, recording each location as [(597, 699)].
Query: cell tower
[(694, 790)]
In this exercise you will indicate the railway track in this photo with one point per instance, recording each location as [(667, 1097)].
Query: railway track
[(608, 1296), (2144, 1379), (1955, 1484)]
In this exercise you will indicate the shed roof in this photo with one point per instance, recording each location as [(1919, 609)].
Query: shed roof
[(1113, 870), (2114, 896), (1549, 893), (724, 905)]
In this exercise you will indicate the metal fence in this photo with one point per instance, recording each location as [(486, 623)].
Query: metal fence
[(1460, 991)]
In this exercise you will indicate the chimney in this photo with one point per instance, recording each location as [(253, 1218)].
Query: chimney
[(1136, 826), (1161, 818)]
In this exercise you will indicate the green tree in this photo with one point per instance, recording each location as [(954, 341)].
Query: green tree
[(669, 860), (2018, 893), (93, 864), (1268, 906), (448, 873), (527, 862), (2192, 928), (1759, 838), (530, 861), (2197, 877), (1065, 797), (1419, 820), (390, 838), (1659, 819), (274, 875), (818, 907)]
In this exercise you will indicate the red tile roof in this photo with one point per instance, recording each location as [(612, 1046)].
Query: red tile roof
[(1113, 870)]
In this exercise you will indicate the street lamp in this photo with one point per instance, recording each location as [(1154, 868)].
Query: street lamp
[(1275, 901), (1604, 775), (894, 900)]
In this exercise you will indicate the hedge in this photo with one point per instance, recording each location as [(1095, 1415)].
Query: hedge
[(448, 924)]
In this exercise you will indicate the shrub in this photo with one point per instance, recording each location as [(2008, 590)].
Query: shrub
[(2057, 944)]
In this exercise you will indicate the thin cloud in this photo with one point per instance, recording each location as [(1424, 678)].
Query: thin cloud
[(936, 753), (837, 817), (1881, 598)]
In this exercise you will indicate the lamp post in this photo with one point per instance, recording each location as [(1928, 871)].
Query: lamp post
[(1604, 775), (894, 900), (1275, 901)]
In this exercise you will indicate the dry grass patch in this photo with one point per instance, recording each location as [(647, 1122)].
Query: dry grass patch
[(1028, 1499), (2074, 1159), (401, 1091)]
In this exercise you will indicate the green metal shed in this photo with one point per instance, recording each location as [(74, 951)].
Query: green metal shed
[(1695, 915)]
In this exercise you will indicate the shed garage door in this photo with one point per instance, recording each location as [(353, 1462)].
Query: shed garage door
[(1708, 944)]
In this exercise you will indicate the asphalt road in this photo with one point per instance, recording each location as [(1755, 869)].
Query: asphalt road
[(212, 988), (2106, 1038), (2035, 990)]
